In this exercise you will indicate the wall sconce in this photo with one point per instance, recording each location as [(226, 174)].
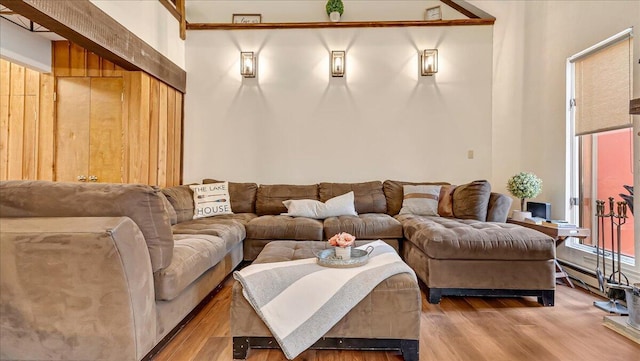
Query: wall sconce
[(338, 62), (248, 64), (429, 62)]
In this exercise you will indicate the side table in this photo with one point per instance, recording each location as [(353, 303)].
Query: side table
[(559, 234)]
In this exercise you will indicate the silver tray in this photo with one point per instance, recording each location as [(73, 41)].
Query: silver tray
[(328, 258)]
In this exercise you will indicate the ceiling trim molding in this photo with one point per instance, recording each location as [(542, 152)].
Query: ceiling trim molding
[(83, 23), (342, 24)]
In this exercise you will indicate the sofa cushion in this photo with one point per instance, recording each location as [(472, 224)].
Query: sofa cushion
[(284, 227), (270, 197), (230, 230), (210, 200), (450, 238), (243, 195), (193, 255), (471, 200), (242, 218), (337, 206), (364, 226), (421, 200), (394, 193), (369, 197), (173, 217), (141, 203), (181, 198)]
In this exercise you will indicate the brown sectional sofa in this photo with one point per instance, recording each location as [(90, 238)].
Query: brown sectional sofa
[(149, 263), (95, 272)]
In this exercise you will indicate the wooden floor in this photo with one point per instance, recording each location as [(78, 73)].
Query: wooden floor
[(468, 329)]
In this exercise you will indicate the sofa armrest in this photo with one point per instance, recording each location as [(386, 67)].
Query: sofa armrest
[(499, 205), (76, 288)]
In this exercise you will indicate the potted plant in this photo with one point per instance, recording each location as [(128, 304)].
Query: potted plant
[(524, 186), (335, 8), (342, 243)]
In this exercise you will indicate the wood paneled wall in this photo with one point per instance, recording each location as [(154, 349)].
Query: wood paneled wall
[(151, 119), (26, 123), (73, 60), (154, 131)]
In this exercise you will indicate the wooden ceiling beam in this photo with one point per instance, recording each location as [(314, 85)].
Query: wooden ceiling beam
[(634, 106), (83, 23), (467, 9), (171, 8), (180, 5)]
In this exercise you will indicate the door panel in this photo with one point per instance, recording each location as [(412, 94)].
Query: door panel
[(106, 144), (72, 130)]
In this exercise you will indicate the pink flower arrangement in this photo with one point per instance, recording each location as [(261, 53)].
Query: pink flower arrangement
[(342, 239)]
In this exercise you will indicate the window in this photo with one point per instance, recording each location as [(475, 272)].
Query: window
[(600, 144)]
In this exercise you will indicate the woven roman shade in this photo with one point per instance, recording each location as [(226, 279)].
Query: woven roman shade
[(603, 89)]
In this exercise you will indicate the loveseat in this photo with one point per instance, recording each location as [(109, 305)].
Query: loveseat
[(84, 262)]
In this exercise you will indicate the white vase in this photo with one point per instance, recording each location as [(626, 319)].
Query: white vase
[(334, 16), (343, 253), (520, 215)]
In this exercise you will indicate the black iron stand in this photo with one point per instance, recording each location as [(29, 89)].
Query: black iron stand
[(615, 288)]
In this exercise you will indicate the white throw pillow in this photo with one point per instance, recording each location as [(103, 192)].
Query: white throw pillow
[(337, 206), (421, 200), (211, 200)]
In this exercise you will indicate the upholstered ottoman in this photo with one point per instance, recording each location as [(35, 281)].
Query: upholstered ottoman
[(387, 319)]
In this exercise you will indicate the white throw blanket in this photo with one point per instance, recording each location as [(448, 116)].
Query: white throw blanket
[(300, 300)]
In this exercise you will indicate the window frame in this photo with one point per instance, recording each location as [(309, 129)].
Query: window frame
[(572, 252)]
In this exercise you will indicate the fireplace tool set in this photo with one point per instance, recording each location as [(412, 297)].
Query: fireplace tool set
[(615, 288)]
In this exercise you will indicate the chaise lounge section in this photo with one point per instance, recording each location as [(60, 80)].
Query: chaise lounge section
[(475, 253)]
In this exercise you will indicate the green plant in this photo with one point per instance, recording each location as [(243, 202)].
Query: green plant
[(524, 185), (335, 5)]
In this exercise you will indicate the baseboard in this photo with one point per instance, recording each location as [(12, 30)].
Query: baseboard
[(582, 277)]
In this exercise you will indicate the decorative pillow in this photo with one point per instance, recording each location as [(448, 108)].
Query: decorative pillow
[(211, 200), (420, 200), (394, 193), (337, 206), (445, 203), (471, 200)]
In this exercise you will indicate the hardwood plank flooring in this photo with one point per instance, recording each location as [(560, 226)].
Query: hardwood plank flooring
[(458, 329)]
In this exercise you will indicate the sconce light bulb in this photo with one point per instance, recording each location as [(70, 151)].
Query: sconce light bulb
[(429, 62), (337, 63)]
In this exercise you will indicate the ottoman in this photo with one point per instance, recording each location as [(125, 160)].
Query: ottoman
[(386, 319)]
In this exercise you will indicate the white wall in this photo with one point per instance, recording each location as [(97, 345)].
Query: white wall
[(532, 41), (220, 11), (296, 124), (151, 22), (23, 47)]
